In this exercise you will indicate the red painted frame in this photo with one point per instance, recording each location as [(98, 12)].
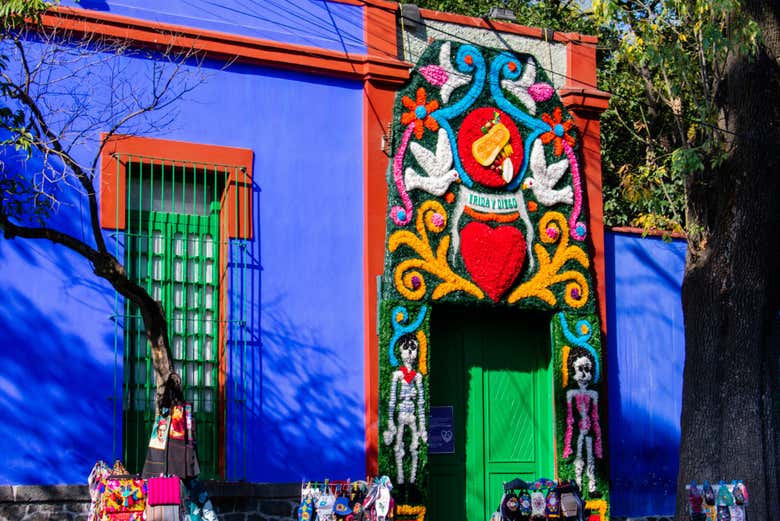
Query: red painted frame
[(383, 66), (235, 216)]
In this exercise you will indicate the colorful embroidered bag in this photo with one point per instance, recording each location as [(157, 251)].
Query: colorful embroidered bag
[(525, 503), (99, 472), (122, 499), (538, 505), (552, 504), (164, 500), (164, 491)]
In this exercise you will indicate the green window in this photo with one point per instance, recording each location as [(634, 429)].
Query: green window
[(172, 249)]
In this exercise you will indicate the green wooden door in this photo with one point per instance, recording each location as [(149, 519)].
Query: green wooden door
[(493, 368), (175, 256)]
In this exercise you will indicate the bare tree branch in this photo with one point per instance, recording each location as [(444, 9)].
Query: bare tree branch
[(69, 93)]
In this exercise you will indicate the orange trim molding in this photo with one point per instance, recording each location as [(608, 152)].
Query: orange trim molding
[(236, 198), (584, 99), (218, 45), (586, 103), (504, 27), (378, 99)]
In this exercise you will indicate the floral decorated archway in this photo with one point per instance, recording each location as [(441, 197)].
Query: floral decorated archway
[(486, 208)]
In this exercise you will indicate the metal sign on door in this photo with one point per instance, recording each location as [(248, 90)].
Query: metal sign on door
[(441, 431)]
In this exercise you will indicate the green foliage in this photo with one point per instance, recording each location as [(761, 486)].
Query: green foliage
[(18, 195), (14, 13), (663, 62), (559, 15), (678, 50)]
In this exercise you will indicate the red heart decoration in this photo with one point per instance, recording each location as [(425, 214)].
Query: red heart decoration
[(493, 256)]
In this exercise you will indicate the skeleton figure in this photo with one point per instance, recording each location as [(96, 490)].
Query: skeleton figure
[(586, 403), (406, 408)]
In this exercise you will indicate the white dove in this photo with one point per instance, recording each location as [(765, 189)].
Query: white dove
[(545, 178), (438, 167), (519, 87), (455, 78)]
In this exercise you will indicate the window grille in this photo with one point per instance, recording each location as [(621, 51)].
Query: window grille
[(176, 246)]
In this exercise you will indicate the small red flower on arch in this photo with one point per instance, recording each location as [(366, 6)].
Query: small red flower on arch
[(559, 131), (420, 113)]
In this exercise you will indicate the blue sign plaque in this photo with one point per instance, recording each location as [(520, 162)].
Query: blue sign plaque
[(441, 431)]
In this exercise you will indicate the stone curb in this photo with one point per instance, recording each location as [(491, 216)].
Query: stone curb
[(80, 493)]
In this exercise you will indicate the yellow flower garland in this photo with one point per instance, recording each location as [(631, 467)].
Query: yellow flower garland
[(565, 366), (599, 505), (423, 355), (408, 279), (553, 228), (409, 510)]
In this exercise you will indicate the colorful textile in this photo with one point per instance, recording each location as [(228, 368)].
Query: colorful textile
[(121, 496), (164, 491)]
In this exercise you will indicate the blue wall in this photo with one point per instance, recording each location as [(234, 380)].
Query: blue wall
[(645, 364), (295, 382), (314, 23)]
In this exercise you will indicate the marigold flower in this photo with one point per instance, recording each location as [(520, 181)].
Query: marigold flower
[(420, 113), (559, 131)]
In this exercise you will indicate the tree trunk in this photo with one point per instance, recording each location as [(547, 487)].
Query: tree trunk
[(730, 291), (152, 313)]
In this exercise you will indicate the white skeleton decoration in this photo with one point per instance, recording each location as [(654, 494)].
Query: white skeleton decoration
[(586, 403), (406, 408)]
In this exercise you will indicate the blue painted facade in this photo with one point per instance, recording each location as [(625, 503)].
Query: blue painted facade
[(295, 398), (314, 23), (646, 353), (295, 370)]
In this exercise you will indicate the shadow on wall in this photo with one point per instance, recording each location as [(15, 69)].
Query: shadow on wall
[(322, 418), (645, 364), (56, 369), (290, 414), (291, 417)]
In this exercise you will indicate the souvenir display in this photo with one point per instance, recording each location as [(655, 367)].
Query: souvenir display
[(172, 491), (542, 500), (120, 497), (347, 500), (721, 502)]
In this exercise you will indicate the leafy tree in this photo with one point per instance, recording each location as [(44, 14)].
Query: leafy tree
[(714, 65), (50, 108), (690, 143), (640, 188)]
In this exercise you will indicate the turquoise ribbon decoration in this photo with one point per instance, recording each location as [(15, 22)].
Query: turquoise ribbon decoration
[(444, 114), (401, 328), (499, 67)]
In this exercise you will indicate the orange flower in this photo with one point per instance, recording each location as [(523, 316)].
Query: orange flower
[(559, 130), (419, 113)]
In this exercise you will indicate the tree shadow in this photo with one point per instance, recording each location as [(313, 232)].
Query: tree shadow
[(290, 417), (57, 393)]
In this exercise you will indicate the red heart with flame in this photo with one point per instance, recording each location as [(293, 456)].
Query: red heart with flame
[(493, 256)]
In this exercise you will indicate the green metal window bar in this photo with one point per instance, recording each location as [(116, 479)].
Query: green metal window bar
[(176, 246)]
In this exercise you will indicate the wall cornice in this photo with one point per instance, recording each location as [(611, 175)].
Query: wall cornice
[(224, 46)]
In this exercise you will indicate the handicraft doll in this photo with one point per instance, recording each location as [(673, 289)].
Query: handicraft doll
[(585, 401)]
